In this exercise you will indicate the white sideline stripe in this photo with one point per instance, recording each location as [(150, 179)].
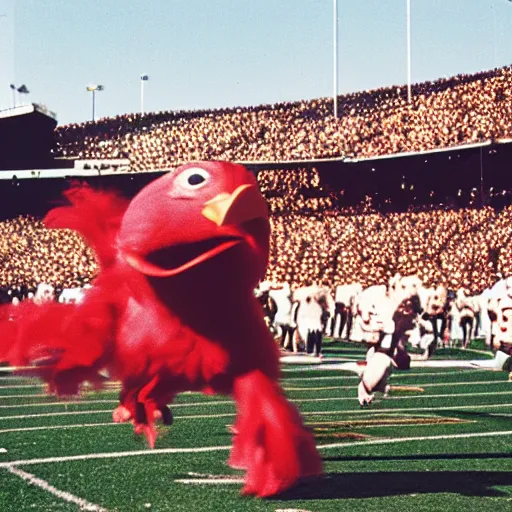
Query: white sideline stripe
[(82, 402), (405, 397), (304, 413), (63, 495), (209, 449), (420, 385), (286, 388), (3, 450), (23, 386), (215, 416), (34, 395), (57, 427), (419, 438), (114, 455), (47, 414), (230, 402), (397, 374), (39, 385), (219, 481), (106, 411), (64, 403), (406, 409)]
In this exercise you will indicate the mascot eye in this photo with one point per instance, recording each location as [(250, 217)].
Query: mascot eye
[(193, 178)]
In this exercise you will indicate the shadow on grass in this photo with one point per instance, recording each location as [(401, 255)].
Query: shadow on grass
[(440, 456), (378, 485)]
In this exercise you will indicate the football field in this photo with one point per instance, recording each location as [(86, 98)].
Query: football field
[(441, 440)]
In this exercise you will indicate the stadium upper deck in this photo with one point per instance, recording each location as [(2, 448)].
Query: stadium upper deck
[(460, 110)]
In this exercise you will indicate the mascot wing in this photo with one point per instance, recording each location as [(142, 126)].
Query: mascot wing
[(65, 344), (96, 215)]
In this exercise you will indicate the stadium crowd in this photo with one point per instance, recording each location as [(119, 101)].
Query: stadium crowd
[(449, 112), (31, 254), (317, 236), (314, 239)]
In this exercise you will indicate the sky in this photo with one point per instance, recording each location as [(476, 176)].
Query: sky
[(203, 54)]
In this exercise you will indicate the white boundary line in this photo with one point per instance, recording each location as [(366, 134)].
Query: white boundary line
[(82, 402), (303, 413), (231, 402), (114, 455), (398, 409), (410, 439), (419, 385), (286, 388), (63, 495), (209, 449), (58, 427), (23, 386), (396, 374)]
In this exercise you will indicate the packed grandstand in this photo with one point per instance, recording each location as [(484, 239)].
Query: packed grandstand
[(334, 219)]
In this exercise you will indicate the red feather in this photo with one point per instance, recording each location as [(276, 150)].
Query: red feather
[(172, 310), (95, 214)]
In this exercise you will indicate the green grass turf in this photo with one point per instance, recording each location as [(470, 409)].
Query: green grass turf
[(456, 473)]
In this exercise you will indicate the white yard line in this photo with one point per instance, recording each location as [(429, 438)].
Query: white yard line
[(397, 374), (114, 455), (23, 386), (406, 409), (231, 402), (35, 395), (58, 427), (414, 439), (63, 495), (67, 402), (405, 397), (82, 402), (212, 481), (304, 413), (370, 412), (209, 449), (287, 388), (421, 385), (48, 414)]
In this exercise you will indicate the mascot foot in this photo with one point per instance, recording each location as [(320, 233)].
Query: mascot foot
[(363, 395), (271, 442), (121, 414), (148, 430)]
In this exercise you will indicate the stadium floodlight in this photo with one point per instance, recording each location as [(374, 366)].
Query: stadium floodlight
[(93, 89), (143, 78)]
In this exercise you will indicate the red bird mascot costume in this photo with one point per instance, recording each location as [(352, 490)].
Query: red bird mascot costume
[(172, 310)]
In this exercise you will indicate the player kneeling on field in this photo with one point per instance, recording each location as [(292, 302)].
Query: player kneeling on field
[(386, 318)]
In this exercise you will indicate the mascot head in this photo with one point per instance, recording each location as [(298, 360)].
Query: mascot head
[(205, 214)]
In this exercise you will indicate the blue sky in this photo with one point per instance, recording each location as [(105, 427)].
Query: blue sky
[(224, 53)]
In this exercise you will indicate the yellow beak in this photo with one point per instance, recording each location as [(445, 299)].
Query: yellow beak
[(244, 204)]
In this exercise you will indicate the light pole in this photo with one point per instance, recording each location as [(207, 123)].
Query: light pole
[(143, 78), (13, 88), (93, 89), (335, 59), (409, 93)]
